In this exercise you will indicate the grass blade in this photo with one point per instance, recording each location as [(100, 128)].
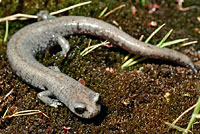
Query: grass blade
[(165, 38), (86, 51), (128, 62), (185, 44), (176, 127), (135, 62), (6, 33), (126, 57), (193, 118), (103, 12), (91, 48), (131, 61), (169, 43), (158, 29)]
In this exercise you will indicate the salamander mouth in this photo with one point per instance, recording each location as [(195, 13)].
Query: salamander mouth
[(82, 111)]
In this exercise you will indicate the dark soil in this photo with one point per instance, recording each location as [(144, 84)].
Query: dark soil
[(136, 100)]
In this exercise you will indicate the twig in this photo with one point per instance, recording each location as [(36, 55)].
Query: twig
[(117, 8)]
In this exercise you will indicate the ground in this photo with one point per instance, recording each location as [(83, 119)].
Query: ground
[(138, 99)]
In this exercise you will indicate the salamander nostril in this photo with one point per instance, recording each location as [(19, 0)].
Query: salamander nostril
[(80, 107), (96, 97)]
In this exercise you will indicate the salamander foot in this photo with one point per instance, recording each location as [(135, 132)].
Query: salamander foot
[(44, 96)]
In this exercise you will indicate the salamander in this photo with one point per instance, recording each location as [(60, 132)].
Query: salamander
[(37, 37)]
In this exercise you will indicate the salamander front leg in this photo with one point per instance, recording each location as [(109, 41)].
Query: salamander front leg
[(44, 96), (44, 15), (54, 68), (64, 44)]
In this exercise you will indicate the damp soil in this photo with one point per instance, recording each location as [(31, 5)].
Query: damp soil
[(139, 99)]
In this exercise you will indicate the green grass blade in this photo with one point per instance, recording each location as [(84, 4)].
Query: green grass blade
[(169, 43), (126, 64), (176, 127), (165, 38), (136, 61), (131, 61), (103, 12), (126, 58), (158, 29), (193, 118), (4, 115), (161, 44), (185, 44), (6, 33)]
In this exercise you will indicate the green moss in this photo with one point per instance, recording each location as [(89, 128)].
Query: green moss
[(9, 7)]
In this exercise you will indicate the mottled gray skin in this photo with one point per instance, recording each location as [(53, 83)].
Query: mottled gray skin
[(35, 38)]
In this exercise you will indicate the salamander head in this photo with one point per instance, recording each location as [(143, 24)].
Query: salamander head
[(87, 108)]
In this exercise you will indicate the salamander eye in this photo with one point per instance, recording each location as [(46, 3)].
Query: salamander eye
[(80, 107)]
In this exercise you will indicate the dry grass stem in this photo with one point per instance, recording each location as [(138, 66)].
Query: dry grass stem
[(23, 113), (71, 7), (187, 8), (8, 94), (115, 9), (186, 111), (17, 16)]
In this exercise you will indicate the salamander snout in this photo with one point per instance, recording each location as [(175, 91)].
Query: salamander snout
[(88, 107)]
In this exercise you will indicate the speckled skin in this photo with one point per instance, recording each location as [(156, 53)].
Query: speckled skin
[(37, 37)]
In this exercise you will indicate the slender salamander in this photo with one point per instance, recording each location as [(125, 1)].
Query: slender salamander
[(37, 37)]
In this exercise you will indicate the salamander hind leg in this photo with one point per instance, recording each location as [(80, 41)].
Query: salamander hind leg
[(44, 96), (64, 44), (54, 68)]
